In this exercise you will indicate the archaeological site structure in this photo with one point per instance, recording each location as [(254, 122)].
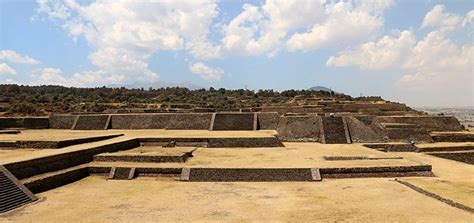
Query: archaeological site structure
[(315, 159)]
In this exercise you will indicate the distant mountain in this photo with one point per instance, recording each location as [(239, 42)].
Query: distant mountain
[(159, 84), (320, 88)]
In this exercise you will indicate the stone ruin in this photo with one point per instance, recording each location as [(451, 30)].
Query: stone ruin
[(379, 125)]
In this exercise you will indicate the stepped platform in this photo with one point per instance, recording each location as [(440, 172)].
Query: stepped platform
[(152, 154), (453, 136), (460, 156), (445, 146), (46, 139)]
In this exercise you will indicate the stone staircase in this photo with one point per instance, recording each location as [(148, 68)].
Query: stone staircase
[(12, 193), (335, 131)]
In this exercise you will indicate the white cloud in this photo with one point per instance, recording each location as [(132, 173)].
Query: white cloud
[(388, 52), (469, 19), (49, 76), (434, 70), (345, 23), (205, 72), (125, 34), (440, 19), (5, 69), (55, 76), (14, 57), (261, 30), (439, 72)]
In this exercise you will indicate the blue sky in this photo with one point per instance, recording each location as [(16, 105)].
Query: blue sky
[(417, 52)]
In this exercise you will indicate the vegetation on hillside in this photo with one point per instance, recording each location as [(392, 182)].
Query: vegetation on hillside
[(42, 100)]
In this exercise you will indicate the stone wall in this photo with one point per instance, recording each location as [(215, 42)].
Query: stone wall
[(25, 122), (92, 122), (234, 121), (365, 129), (62, 121), (430, 123), (299, 128), (267, 120), (162, 121)]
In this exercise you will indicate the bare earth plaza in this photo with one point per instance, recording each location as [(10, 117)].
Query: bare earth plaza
[(317, 159)]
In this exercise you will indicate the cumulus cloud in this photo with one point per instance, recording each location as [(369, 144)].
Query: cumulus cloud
[(262, 29), (14, 57), (435, 69), (55, 76), (345, 23), (5, 69), (439, 71), (126, 34), (385, 53), (205, 72), (440, 19)]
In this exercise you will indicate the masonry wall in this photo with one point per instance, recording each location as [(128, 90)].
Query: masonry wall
[(162, 121), (234, 121), (267, 120), (299, 128), (430, 123), (62, 121), (25, 122)]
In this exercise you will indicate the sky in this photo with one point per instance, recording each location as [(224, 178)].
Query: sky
[(419, 52)]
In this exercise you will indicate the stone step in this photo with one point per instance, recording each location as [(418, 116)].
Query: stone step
[(334, 130), (47, 181), (13, 194)]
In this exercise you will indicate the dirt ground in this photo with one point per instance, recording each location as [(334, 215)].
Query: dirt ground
[(154, 199)]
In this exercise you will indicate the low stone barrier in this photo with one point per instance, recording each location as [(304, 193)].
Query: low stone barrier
[(25, 122), (250, 174)]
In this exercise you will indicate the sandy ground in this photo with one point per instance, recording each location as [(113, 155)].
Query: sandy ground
[(15, 155), (292, 155), (444, 144), (51, 135), (148, 199), (454, 180)]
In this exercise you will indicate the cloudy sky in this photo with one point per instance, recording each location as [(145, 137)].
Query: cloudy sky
[(418, 52)]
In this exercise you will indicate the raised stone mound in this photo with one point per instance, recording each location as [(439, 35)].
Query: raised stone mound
[(148, 155), (299, 128), (393, 147), (250, 142), (429, 123), (377, 171), (244, 142), (250, 174), (267, 120), (234, 121), (365, 129), (465, 157), (12, 193), (92, 122), (62, 121), (335, 131), (408, 135), (453, 137)]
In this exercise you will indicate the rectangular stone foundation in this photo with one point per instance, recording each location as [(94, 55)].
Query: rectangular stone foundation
[(250, 174)]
